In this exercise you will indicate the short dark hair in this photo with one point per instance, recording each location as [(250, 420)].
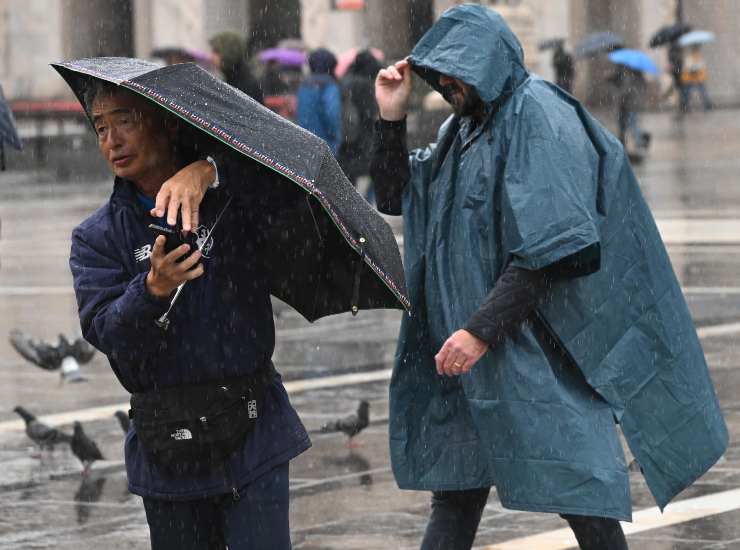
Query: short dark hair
[(92, 89)]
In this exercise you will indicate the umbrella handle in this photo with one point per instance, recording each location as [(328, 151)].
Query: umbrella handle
[(163, 322), (356, 284)]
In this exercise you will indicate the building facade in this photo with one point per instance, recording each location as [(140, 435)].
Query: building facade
[(34, 33)]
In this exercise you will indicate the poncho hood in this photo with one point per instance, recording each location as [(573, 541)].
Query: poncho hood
[(474, 44)]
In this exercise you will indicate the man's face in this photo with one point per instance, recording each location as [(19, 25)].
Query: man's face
[(131, 136), (464, 99)]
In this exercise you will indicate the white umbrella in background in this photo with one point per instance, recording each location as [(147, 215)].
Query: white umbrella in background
[(695, 38)]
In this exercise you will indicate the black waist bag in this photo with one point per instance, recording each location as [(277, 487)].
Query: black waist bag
[(191, 429)]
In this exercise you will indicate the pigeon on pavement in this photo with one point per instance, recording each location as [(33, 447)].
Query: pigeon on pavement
[(352, 424), (63, 356), (123, 420), (44, 436), (84, 448)]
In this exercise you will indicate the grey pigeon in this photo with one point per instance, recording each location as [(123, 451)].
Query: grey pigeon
[(123, 420), (63, 356), (44, 436), (352, 424), (84, 448)]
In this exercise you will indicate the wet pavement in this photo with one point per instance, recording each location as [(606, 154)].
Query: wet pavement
[(346, 498)]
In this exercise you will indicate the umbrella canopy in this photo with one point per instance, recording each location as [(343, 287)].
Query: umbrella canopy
[(330, 251), (344, 62), (8, 133), (598, 42), (283, 56), (551, 43), (634, 59), (695, 38), (669, 33)]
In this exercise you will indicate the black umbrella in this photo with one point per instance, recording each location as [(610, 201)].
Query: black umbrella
[(669, 33), (598, 42), (551, 43), (330, 251), (8, 133)]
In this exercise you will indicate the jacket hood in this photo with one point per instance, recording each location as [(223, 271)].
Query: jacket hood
[(474, 44), (322, 61), (230, 46)]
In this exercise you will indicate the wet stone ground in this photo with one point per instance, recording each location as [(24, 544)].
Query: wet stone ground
[(346, 498)]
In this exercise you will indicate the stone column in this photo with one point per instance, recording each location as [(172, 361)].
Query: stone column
[(93, 28)]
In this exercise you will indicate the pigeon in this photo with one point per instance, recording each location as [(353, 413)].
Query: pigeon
[(352, 424), (44, 436), (63, 356), (123, 420), (84, 448)]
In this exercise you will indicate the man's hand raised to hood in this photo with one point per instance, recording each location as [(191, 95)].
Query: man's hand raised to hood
[(393, 89), (184, 191)]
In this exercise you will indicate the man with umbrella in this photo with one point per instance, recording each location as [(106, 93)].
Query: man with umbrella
[(186, 320), (221, 332), (669, 35), (544, 304)]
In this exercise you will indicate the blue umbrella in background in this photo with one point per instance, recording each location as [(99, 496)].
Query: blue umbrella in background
[(634, 59), (598, 42), (8, 133)]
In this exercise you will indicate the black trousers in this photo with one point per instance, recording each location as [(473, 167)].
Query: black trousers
[(456, 515)]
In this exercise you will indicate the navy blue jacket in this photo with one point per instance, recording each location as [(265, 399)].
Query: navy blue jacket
[(221, 326)]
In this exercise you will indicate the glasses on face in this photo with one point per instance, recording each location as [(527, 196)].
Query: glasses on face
[(123, 121)]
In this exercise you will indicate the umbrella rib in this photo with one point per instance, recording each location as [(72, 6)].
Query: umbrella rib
[(315, 222)]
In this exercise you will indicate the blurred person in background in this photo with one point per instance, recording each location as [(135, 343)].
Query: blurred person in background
[(675, 68), (565, 72), (694, 77), (630, 87), (229, 56), (359, 111), (319, 99)]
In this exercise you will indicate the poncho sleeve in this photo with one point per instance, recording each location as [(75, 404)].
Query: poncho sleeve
[(548, 197)]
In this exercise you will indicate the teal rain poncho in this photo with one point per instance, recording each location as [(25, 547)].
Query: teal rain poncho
[(541, 182)]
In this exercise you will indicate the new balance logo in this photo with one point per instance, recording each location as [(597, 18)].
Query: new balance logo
[(143, 253)]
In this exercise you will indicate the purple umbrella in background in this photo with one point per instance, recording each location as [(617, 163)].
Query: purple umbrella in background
[(283, 56)]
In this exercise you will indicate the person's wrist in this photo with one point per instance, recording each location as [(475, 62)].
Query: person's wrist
[(153, 288), (392, 115)]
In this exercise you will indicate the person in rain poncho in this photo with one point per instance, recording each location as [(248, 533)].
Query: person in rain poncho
[(544, 305), (221, 333)]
